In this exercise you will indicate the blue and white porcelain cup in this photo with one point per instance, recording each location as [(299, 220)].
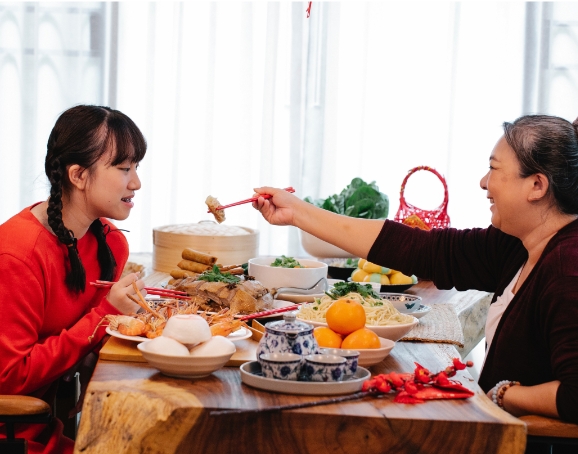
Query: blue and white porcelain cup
[(324, 368), (352, 357), (281, 366)]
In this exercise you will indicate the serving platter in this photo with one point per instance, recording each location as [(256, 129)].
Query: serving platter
[(251, 375), (240, 334)]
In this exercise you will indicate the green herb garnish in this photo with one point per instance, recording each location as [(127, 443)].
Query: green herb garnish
[(358, 200), (340, 289), (286, 262), (215, 275)]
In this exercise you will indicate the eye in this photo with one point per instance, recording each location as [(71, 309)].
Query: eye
[(125, 169)]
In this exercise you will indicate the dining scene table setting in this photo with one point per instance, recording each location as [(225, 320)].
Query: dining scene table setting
[(134, 401)]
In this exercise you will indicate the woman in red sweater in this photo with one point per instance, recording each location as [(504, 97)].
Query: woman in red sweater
[(528, 258), (49, 252)]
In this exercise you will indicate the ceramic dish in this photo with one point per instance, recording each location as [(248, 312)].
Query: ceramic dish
[(274, 277), (371, 356), (251, 375), (391, 288), (392, 332), (240, 334), (185, 366), (403, 302), (421, 311)]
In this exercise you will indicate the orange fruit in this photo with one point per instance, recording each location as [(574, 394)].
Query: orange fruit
[(362, 338), (345, 316), (326, 337)]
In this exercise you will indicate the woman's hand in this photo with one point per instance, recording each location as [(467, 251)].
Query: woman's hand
[(117, 296), (280, 208)]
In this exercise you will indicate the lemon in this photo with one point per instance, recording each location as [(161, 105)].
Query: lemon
[(361, 263), (400, 279), (373, 268), (358, 275)]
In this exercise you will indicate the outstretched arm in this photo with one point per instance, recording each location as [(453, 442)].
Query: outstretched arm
[(351, 234)]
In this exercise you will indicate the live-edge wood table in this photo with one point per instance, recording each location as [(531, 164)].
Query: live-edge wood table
[(130, 407)]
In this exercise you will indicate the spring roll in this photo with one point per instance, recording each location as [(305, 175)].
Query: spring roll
[(195, 267), (180, 274), (199, 257)]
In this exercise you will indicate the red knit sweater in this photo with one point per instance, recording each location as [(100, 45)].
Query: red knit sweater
[(45, 327)]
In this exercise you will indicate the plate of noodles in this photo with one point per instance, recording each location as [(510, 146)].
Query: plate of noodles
[(381, 316)]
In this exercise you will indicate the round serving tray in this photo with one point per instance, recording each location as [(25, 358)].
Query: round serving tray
[(251, 375)]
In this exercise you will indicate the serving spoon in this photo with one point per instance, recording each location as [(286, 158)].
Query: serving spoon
[(319, 287)]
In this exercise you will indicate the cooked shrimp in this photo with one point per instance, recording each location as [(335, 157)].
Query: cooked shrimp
[(127, 325)]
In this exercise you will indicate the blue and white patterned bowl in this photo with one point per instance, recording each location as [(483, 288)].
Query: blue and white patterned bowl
[(324, 368), (282, 366), (352, 357)]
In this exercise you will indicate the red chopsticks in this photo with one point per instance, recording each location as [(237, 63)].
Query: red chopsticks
[(252, 199), (150, 290), (270, 312)]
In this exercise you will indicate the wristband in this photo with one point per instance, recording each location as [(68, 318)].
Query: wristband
[(499, 391)]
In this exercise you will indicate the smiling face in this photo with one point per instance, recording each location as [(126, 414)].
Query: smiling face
[(110, 189), (506, 189)]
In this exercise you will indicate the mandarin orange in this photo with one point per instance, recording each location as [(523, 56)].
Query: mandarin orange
[(362, 338), (326, 337), (345, 316)]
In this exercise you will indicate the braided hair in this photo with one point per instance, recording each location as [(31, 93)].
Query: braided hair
[(81, 135)]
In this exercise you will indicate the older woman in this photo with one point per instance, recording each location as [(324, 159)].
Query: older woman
[(528, 257)]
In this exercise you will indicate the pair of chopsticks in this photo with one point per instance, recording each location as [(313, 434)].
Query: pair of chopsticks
[(270, 312), (151, 290), (252, 199)]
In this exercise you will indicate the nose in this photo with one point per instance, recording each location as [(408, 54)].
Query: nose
[(484, 182), (134, 183)]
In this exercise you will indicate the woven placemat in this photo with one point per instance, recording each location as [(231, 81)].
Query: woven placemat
[(441, 325)]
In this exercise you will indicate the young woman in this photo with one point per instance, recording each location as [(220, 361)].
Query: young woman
[(528, 257), (51, 251)]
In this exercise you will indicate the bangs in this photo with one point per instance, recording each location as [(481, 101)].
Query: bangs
[(124, 134)]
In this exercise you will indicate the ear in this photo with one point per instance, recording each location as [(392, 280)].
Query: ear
[(540, 185), (78, 176)]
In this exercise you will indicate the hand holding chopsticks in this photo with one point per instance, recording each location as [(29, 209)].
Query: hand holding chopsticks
[(252, 199), (150, 290)]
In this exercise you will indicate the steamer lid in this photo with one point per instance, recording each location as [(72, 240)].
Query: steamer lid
[(204, 228)]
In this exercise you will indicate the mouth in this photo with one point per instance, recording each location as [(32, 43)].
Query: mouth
[(127, 199)]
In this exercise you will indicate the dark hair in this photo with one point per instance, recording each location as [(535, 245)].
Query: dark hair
[(548, 145), (81, 135)]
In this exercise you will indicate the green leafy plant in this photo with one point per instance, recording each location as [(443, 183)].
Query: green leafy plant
[(358, 200), (340, 289)]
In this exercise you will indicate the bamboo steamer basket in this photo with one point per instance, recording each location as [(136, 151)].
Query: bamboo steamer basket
[(231, 245)]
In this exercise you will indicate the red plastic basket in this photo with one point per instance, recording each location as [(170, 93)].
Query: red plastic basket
[(417, 217)]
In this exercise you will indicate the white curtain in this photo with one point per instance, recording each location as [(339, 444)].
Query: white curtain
[(234, 95)]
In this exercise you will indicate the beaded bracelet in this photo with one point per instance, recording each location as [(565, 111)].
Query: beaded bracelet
[(499, 391)]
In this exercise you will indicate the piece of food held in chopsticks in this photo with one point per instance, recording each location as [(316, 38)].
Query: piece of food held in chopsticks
[(218, 210), (213, 205)]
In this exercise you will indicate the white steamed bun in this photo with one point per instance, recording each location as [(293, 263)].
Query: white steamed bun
[(188, 329), (215, 346), (166, 346)]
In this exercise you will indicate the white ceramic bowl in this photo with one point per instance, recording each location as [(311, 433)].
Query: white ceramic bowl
[(392, 332), (274, 277), (185, 366), (321, 249), (403, 302), (371, 356)]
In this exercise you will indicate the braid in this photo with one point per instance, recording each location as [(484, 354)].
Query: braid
[(105, 258), (75, 278)]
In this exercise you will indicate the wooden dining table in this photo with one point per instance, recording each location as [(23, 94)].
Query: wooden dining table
[(131, 407)]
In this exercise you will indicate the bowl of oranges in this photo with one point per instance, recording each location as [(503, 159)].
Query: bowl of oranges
[(345, 328)]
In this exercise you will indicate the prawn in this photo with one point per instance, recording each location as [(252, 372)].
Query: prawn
[(127, 325)]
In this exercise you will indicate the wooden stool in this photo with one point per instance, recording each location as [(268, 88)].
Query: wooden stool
[(21, 409), (550, 431)]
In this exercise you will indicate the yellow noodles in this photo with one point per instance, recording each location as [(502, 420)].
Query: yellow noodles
[(378, 312)]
